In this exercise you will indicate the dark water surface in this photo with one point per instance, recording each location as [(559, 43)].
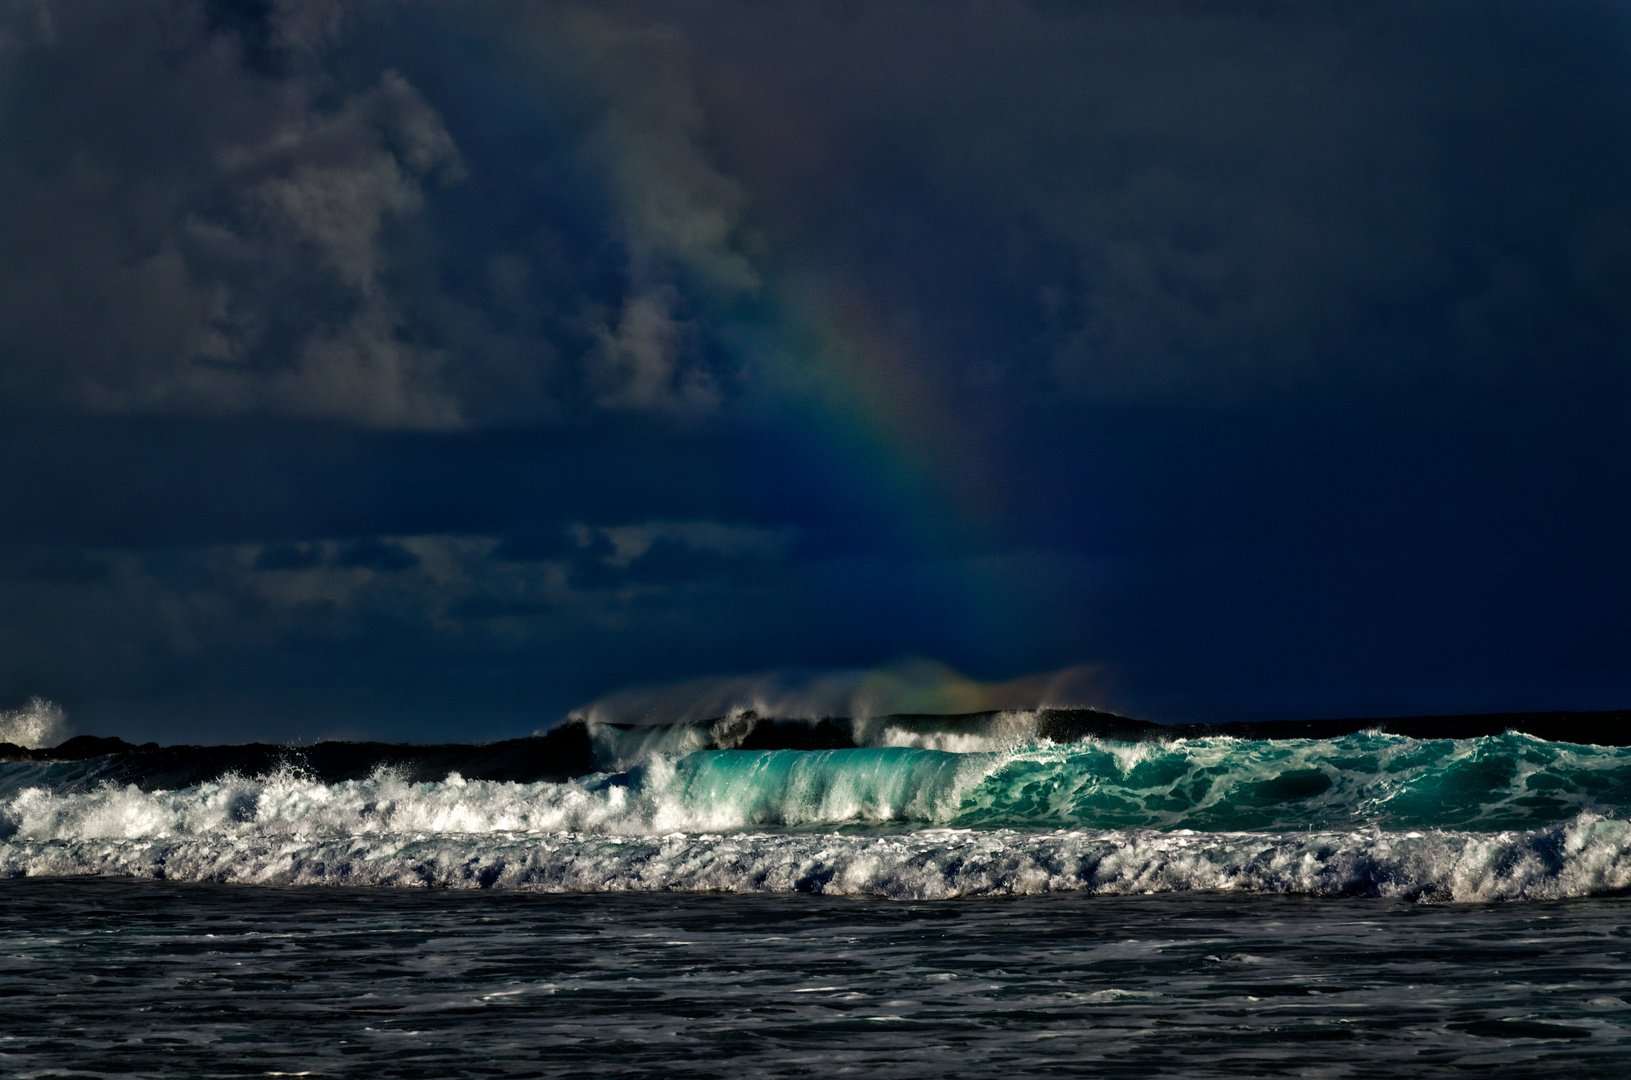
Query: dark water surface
[(141, 978)]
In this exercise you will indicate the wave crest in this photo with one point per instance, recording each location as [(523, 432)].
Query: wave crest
[(1374, 780)]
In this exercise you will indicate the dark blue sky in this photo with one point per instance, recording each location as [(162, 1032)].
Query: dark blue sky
[(429, 369)]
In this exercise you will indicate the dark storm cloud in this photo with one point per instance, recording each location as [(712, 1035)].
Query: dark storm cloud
[(186, 235), (1127, 201), (254, 207), (228, 208), (398, 365)]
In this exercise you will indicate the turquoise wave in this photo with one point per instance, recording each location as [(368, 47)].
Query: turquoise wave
[(1511, 781), (1500, 782), (1380, 781)]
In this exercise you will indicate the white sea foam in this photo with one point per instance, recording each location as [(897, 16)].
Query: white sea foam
[(1589, 856), (685, 826)]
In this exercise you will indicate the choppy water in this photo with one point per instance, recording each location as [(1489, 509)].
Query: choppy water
[(117, 978)]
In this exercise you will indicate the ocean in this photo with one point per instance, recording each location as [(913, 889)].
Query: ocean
[(1008, 894)]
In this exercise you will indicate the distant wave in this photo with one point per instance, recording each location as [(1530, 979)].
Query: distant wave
[(930, 807)]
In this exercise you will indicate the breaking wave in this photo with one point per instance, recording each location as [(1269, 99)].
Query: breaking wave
[(1499, 817)]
